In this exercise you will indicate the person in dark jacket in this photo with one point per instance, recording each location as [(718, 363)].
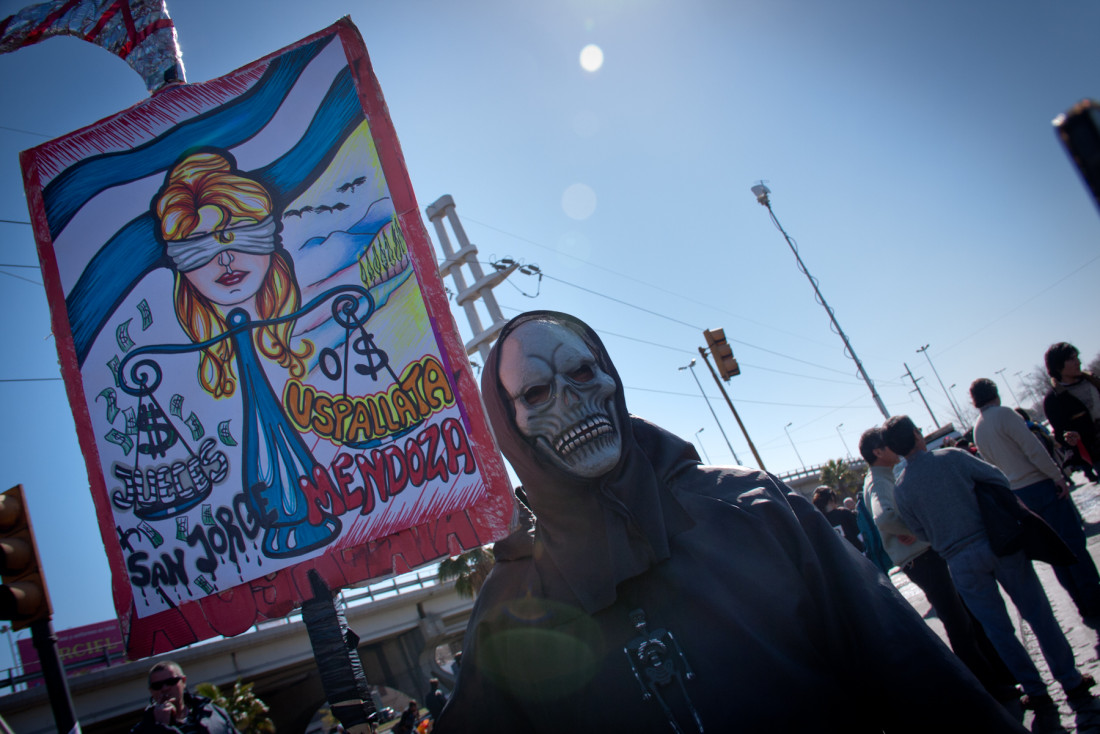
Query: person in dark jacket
[(1073, 405), (435, 700), (173, 709), (842, 519), (647, 593), (408, 720)]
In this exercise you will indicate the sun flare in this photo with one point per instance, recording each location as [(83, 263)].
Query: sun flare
[(591, 57)]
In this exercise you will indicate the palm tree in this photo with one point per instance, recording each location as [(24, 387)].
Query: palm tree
[(838, 474), (468, 569), (249, 713)]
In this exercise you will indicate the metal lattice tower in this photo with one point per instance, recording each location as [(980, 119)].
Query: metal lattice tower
[(482, 285)]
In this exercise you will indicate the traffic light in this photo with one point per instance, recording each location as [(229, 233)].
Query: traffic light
[(722, 353), (23, 596)]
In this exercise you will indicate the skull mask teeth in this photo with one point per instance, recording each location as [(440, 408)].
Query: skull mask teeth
[(563, 399), (579, 436)]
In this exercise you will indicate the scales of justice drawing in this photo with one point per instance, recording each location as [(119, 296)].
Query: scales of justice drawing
[(259, 352)]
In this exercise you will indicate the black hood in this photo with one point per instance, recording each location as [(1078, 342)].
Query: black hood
[(597, 532)]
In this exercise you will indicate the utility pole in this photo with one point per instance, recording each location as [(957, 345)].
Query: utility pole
[(718, 382), (926, 405), (690, 366), (1029, 391), (950, 400), (1001, 372)]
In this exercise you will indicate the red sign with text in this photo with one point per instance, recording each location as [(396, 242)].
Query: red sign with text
[(82, 649)]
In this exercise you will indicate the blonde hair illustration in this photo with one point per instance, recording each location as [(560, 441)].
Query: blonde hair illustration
[(206, 184)]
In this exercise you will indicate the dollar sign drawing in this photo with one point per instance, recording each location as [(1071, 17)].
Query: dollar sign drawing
[(146, 314), (122, 336), (181, 528), (118, 437), (175, 405), (207, 515), (150, 532), (131, 421), (364, 346), (195, 425), (203, 584), (108, 394), (224, 434), (160, 434), (113, 366)]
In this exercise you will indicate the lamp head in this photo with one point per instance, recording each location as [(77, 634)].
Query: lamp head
[(761, 192)]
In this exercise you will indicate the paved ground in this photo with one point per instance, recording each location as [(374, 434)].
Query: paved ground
[(1084, 639)]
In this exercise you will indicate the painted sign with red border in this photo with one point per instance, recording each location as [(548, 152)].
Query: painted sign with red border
[(258, 350)]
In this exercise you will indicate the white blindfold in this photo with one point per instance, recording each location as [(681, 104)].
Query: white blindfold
[(195, 252)]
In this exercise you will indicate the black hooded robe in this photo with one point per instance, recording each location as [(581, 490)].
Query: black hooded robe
[(783, 626)]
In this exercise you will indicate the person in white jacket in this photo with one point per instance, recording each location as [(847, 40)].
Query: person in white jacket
[(1004, 440)]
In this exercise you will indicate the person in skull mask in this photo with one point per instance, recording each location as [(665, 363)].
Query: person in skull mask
[(651, 594)]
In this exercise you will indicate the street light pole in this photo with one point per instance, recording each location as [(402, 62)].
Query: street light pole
[(847, 451), (1028, 392), (951, 389), (1001, 372), (690, 366), (800, 461), (761, 191), (950, 401), (701, 447)]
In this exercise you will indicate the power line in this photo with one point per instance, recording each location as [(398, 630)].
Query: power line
[(639, 281), (625, 303), (684, 323), (771, 370), (739, 400), (681, 350), (29, 379), (18, 277), (1076, 270), (25, 132)]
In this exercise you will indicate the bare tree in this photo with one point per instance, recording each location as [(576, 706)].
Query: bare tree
[(1036, 385), (1094, 365)]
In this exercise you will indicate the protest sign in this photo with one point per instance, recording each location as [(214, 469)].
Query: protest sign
[(263, 368)]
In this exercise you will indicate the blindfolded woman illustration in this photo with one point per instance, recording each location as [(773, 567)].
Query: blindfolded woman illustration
[(221, 234)]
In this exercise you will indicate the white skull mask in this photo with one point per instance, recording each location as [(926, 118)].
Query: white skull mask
[(563, 400)]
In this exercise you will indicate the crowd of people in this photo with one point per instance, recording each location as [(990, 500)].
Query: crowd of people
[(173, 709), (927, 516)]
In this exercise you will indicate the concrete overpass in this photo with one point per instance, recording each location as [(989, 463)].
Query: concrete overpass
[(805, 481), (398, 634)]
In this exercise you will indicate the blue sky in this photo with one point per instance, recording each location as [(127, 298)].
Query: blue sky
[(908, 147)]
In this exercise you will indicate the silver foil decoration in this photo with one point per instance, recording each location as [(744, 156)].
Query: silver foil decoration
[(138, 31)]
